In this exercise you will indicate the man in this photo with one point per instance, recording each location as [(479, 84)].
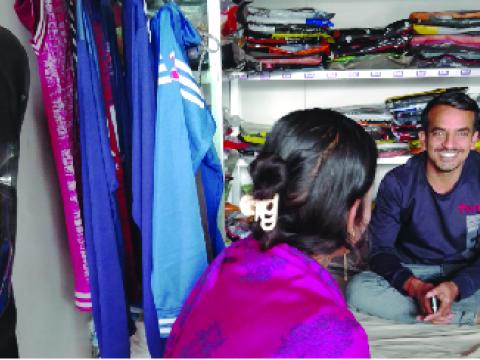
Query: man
[(424, 230), (14, 86)]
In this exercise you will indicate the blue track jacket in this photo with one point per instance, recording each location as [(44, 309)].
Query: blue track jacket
[(183, 144)]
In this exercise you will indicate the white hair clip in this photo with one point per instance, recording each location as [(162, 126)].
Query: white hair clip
[(264, 210)]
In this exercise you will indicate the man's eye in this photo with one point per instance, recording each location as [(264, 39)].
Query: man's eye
[(437, 133), (463, 133)]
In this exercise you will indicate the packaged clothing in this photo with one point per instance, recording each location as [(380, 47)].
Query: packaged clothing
[(184, 152), (392, 149), (283, 50), (372, 46), (291, 15), (265, 63), (386, 60), (282, 30), (408, 100), (443, 30), (284, 38), (266, 304), (396, 28), (454, 19), (445, 40), (445, 61), (453, 51), (48, 21), (405, 133), (411, 224)]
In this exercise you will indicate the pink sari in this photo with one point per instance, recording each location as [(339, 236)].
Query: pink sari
[(277, 303)]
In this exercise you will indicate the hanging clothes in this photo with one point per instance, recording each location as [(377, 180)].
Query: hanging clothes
[(102, 223), (183, 145), (140, 94), (48, 22), (106, 73)]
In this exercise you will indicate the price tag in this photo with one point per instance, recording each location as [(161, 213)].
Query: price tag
[(332, 75)]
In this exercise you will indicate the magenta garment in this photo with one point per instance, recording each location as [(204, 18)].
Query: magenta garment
[(461, 40), (277, 303), (48, 22)]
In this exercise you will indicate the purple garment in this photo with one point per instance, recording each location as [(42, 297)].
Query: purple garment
[(274, 303)]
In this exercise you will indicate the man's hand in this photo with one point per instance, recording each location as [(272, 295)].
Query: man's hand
[(446, 292), (418, 289)]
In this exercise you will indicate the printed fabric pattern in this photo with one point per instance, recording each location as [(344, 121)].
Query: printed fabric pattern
[(274, 303), (53, 47)]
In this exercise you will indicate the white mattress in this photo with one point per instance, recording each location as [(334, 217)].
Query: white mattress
[(391, 340)]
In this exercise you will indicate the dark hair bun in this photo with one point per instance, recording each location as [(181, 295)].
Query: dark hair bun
[(269, 175)]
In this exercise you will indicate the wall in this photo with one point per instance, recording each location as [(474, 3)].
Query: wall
[(48, 323)]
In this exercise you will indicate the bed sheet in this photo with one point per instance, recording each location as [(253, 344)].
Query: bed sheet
[(392, 340)]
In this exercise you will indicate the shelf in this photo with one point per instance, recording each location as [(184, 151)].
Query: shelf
[(355, 74), (396, 160)]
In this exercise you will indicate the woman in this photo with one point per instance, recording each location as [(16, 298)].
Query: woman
[(270, 295)]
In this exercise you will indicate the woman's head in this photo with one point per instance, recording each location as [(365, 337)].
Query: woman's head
[(322, 165)]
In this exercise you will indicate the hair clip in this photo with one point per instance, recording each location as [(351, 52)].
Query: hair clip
[(264, 210)]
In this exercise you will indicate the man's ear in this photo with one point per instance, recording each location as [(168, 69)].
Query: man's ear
[(352, 216), (474, 139), (422, 136)]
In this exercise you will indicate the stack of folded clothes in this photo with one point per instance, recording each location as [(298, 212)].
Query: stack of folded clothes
[(372, 47), (285, 38), (375, 119), (446, 39), (407, 110)]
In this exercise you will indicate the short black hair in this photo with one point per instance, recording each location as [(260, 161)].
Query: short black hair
[(319, 162), (458, 100)]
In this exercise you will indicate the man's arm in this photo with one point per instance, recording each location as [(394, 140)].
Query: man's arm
[(468, 280), (383, 232)]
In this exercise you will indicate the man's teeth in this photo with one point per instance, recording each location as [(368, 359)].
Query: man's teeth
[(447, 154)]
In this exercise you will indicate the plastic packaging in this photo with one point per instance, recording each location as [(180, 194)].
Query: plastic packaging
[(14, 87)]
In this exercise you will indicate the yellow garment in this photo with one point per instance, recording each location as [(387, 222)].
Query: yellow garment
[(312, 35), (425, 29), (255, 138), (429, 92)]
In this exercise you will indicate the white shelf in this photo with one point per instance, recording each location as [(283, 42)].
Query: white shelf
[(355, 74), (396, 160)]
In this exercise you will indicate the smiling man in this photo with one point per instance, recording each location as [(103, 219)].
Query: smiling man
[(424, 232)]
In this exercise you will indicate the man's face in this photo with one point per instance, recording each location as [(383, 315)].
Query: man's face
[(449, 139)]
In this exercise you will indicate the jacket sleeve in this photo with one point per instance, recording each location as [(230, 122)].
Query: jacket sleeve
[(468, 280), (383, 232)]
